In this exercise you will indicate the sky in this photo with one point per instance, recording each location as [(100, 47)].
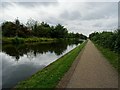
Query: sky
[(76, 15)]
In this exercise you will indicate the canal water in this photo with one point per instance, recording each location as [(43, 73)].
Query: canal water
[(19, 62)]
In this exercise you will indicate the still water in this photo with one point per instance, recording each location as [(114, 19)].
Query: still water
[(19, 62)]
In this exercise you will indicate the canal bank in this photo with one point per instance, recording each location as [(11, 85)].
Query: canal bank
[(21, 61), (50, 76)]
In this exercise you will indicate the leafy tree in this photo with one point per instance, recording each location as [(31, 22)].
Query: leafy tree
[(59, 31), (9, 29), (35, 29)]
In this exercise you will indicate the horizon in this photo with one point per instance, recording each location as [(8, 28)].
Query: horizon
[(81, 17)]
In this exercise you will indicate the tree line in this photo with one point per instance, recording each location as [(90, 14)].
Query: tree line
[(35, 29), (18, 50), (109, 40)]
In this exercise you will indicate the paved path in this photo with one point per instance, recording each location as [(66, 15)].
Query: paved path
[(93, 71)]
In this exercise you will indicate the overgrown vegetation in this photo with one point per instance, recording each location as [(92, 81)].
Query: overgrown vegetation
[(50, 76), (109, 45), (36, 29)]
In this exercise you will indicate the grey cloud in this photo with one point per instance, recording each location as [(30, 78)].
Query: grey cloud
[(29, 1), (83, 17), (93, 17), (100, 10), (32, 4), (29, 4), (97, 25), (74, 15), (5, 4), (113, 25)]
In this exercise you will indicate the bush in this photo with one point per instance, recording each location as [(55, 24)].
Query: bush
[(17, 40), (109, 40)]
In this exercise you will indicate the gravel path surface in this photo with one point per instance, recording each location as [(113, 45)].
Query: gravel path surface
[(92, 70)]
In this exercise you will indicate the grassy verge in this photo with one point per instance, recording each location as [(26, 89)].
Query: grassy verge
[(26, 40), (50, 76), (111, 56)]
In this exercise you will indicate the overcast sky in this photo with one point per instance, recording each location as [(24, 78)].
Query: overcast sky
[(82, 17)]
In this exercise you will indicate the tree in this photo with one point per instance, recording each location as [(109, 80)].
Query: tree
[(9, 29), (33, 28), (30, 23), (109, 40), (59, 31)]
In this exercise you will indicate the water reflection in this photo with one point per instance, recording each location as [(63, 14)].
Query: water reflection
[(21, 61), (34, 48)]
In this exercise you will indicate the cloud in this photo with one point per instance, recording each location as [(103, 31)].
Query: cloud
[(29, 1), (61, 0), (74, 15), (33, 4), (97, 25), (29, 4), (82, 17)]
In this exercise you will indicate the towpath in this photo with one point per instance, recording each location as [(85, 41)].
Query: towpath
[(90, 70)]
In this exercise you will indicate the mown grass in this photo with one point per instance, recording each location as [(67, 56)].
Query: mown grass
[(111, 56), (50, 76)]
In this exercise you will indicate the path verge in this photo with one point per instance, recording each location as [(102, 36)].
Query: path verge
[(50, 76)]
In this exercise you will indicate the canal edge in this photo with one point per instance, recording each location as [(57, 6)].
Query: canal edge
[(66, 78)]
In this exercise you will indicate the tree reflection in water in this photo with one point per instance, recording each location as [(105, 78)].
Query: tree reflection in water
[(31, 49)]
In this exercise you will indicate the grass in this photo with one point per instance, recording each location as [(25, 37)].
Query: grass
[(50, 76), (111, 56), (26, 40)]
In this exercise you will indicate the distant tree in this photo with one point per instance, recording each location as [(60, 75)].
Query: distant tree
[(30, 23), (9, 29), (23, 31), (81, 36), (59, 31), (71, 35), (35, 29), (17, 22)]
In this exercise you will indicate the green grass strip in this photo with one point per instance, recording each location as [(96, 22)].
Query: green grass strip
[(50, 76), (111, 56), (26, 40)]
